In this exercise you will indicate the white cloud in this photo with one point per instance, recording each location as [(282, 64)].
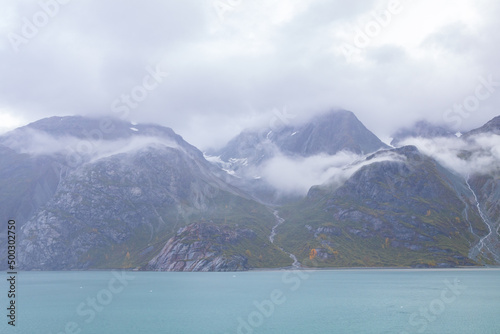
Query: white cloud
[(110, 148), (297, 175), (265, 55), (35, 142), (478, 154)]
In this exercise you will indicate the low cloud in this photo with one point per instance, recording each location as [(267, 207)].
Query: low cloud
[(477, 154), (36, 143), (297, 175), (33, 142), (110, 148), (231, 62)]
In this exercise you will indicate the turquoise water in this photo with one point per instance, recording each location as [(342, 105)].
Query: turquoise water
[(334, 301)]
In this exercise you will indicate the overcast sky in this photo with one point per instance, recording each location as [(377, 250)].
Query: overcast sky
[(209, 68)]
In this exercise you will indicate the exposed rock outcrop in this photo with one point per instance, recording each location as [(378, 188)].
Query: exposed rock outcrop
[(199, 247)]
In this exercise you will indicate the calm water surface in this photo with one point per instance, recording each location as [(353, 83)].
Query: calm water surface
[(305, 302)]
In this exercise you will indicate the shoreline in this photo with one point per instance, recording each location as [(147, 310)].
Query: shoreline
[(285, 269), (374, 268)]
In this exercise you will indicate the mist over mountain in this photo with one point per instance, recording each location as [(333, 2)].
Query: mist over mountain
[(475, 152), (421, 129), (327, 133), (106, 193), (286, 160)]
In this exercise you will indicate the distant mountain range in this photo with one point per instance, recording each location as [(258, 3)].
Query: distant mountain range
[(104, 193)]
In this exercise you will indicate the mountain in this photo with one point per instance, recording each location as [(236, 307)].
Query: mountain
[(422, 129), (327, 134), (127, 193), (35, 158), (97, 193), (407, 210)]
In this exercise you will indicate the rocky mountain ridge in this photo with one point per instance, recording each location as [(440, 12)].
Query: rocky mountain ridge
[(139, 196)]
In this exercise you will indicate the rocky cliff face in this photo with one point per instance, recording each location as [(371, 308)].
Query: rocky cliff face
[(202, 247)]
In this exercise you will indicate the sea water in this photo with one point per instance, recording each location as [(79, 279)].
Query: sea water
[(326, 301)]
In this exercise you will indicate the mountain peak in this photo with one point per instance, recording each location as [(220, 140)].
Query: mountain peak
[(329, 133)]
